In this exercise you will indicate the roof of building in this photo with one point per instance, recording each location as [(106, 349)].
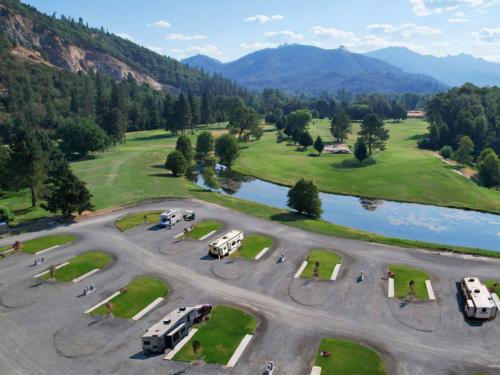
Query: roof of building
[(168, 322), (479, 293), (225, 238)]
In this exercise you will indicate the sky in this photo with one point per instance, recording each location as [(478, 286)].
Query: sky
[(229, 29)]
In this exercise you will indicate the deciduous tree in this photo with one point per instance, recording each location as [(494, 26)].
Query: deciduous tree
[(340, 126), (373, 133), (304, 198), (227, 149), (176, 163)]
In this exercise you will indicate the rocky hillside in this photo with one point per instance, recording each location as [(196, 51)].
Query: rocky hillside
[(74, 46)]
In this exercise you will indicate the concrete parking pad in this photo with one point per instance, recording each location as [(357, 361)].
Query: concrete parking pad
[(103, 302), (147, 309), (390, 288), (301, 269), (335, 272), (239, 351), (261, 254), (316, 370), (430, 291), (88, 274)]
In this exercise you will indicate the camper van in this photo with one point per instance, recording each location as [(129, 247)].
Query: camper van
[(169, 331), (226, 244), (479, 303), (170, 217)]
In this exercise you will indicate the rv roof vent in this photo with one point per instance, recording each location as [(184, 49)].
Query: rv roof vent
[(224, 237), (477, 291), (182, 309), (471, 280), (166, 321)]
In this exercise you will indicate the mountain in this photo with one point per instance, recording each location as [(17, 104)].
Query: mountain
[(452, 70), (312, 70), (73, 45)]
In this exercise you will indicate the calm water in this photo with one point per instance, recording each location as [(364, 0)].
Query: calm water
[(402, 220)]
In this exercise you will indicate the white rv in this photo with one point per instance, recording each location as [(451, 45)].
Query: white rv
[(226, 244), (170, 217), (479, 303)]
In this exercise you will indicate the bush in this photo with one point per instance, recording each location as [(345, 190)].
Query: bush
[(446, 152), (280, 136), (227, 149), (304, 197), (176, 163), (489, 170), (184, 146), (6, 215)]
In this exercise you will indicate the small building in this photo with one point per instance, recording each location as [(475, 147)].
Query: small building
[(226, 244), (416, 114), (173, 328), (478, 301)]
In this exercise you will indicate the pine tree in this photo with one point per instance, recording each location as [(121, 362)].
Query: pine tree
[(182, 114), (319, 145), (206, 108)]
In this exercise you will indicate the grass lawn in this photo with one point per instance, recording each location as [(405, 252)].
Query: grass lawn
[(490, 284), (80, 265), (134, 219), (348, 358), (219, 336), (401, 172), (252, 245), (203, 228), (45, 242), (404, 275), (327, 261), (140, 293)]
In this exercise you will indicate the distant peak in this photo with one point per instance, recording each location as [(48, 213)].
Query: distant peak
[(343, 49)]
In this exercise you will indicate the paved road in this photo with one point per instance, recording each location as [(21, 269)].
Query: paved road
[(44, 330)]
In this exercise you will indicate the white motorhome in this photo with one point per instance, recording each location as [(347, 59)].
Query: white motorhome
[(479, 303), (170, 217), (226, 244)]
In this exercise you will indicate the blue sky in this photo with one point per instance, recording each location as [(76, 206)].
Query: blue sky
[(228, 29)]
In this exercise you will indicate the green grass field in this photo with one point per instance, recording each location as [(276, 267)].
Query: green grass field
[(135, 219), (140, 293), (252, 245), (402, 172), (327, 260), (219, 336), (203, 228), (490, 284), (404, 275), (348, 358), (45, 242), (80, 265)]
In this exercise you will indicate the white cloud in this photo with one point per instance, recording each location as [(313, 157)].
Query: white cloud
[(207, 49), (424, 8), (346, 37), (406, 30), (284, 34), (460, 14), (487, 36), (262, 18), (182, 37), (125, 36), (161, 24), (258, 45), (458, 20)]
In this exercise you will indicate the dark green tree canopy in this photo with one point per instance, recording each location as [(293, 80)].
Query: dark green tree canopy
[(489, 170), (204, 144), (463, 154), (227, 149), (304, 198), (305, 140), (360, 151), (341, 126), (373, 133), (319, 146), (243, 120), (176, 163), (184, 146), (81, 136)]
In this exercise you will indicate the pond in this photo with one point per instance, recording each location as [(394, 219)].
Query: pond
[(392, 219)]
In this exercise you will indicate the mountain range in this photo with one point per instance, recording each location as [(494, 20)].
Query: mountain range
[(311, 70)]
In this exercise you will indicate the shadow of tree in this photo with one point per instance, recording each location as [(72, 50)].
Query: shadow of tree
[(289, 216), (151, 137), (354, 163), (415, 137)]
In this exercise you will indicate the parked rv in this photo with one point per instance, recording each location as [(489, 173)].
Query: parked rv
[(478, 301), (170, 217), (173, 328), (226, 244)]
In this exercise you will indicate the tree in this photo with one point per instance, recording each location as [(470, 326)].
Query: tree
[(116, 126), (489, 170), (6, 215), (204, 145), (243, 119), (210, 179), (305, 140), (257, 132), (227, 149), (82, 136), (196, 346), (485, 153), (296, 123), (319, 145), (176, 163), (446, 152), (184, 146), (206, 110), (373, 133), (195, 111), (360, 151), (304, 198), (463, 154), (341, 126), (398, 112), (66, 193), (181, 115)]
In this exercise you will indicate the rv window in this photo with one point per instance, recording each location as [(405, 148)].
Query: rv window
[(233, 243), (147, 342), (484, 310), (176, 336)]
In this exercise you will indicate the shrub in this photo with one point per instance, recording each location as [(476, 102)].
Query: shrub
[(176, 163), (446, 152), (6, 215)]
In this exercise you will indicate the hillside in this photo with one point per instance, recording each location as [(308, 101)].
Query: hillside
[(312, 70), (452, 70), (74, 46)]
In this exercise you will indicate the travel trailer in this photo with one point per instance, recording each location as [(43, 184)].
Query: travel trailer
[(173, 328), (226, 244), (479, 303), (170, 217)]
